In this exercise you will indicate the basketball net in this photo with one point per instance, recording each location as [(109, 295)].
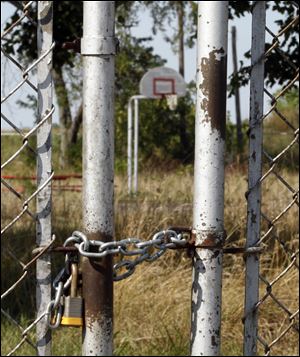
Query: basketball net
[(172, 101)]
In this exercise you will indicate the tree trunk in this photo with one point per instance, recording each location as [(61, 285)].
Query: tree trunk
[(180, 14), (76, 125), (65, 119), (181, 107), (237, 95)]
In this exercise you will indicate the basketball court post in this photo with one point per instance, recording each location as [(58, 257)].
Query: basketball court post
[(132, 186), (136, 145), (157, 83)]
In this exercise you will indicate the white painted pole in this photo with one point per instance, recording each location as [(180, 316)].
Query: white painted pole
[(208, 217), (98, 47), (136, 145), (255, 173)]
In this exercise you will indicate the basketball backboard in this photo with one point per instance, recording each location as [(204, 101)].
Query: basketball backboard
[(160, 82)]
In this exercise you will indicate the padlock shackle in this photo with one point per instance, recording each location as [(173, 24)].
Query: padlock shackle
[(74, 274)]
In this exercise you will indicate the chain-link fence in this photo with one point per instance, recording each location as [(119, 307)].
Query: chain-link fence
[(24, 213), (272, 222)]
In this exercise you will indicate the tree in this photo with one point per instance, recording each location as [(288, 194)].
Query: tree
[(277, 68), (66, 74)]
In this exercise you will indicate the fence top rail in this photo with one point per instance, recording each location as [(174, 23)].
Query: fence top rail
[(55, 177)]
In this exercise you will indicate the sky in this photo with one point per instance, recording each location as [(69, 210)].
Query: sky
[(24, 117)]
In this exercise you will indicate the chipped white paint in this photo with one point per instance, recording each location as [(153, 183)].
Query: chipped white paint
[(208, 216), (98, 337)]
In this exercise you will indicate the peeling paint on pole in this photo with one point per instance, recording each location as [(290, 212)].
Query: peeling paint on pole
[(98, 51), (212, 69), (208, 217)]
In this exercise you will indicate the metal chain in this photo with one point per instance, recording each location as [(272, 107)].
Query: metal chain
[(149, 251), (161, 241)]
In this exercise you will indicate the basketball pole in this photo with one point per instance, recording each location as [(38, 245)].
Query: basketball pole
[(132, 180), (136, 145), (157, 83)]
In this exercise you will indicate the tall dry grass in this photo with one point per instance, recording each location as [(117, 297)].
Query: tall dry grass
[(152, 307)]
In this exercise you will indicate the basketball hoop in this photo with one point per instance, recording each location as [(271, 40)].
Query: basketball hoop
[(172, 101), (163, 82)]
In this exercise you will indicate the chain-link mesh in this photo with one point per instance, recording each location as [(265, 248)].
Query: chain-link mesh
[(278, 267), (19, 154)]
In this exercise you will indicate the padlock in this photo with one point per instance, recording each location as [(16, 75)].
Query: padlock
[(73, 304)]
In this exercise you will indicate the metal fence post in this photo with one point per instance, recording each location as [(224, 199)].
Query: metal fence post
[(98, 49), (255, 172), (44, 171), (208, 217)]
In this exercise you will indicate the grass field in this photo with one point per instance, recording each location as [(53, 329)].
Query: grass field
[(152, 307)]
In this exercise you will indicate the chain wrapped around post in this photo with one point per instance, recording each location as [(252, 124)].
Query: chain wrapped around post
[(176, 237)]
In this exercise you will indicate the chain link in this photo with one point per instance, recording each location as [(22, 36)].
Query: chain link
[(24, 76)]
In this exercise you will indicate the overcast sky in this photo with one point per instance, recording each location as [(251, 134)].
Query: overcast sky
[(24, 117)]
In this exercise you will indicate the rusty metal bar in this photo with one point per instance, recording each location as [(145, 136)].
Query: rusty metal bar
[(98, 47), (208, 215), (254, 176), (44, 172)]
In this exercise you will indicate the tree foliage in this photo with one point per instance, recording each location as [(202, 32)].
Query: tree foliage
[(160, 127), (282, 61)]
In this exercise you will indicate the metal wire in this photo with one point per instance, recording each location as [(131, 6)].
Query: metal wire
[(271, 222), (24, 13)]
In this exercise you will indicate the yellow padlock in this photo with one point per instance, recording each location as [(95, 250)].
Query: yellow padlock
[(73, 304)]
